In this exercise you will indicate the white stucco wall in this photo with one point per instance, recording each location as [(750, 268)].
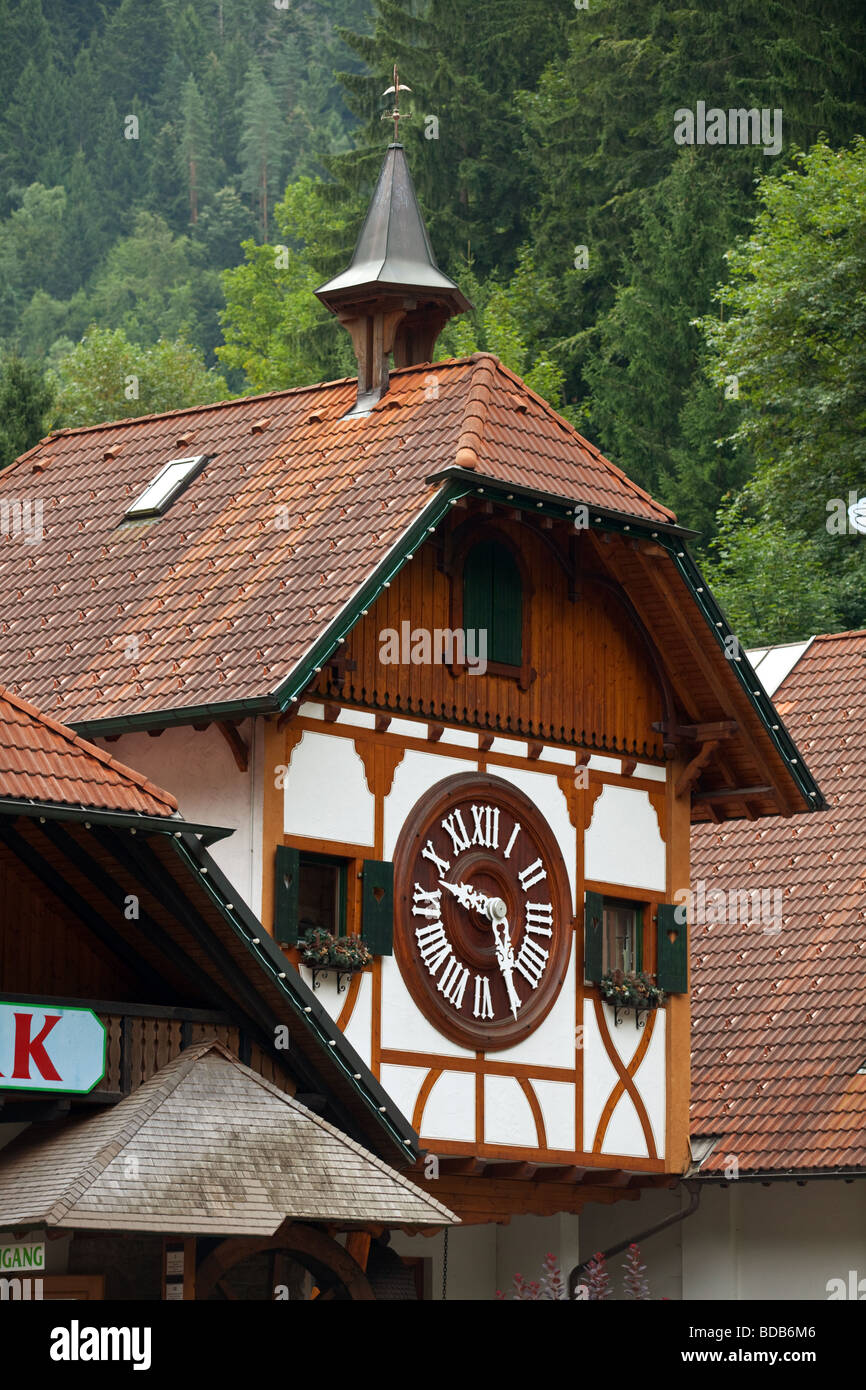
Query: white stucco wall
[(484, 1258), (198, 768), (779, 1243)]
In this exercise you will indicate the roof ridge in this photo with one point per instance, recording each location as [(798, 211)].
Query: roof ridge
[(833, 636), (140, 780), (475, 410), (231, 400)]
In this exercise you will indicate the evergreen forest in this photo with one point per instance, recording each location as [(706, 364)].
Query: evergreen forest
[(176, 178)]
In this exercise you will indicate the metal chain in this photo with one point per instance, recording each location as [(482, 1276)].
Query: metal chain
[(445, 1266)]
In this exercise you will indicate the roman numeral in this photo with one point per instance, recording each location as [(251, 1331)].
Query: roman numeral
[(431, 902), (531, 875), (433, 945), (453, 982), (457, 830), (539, 918), (531, 960), (442, 865), (483, 1006), (514, 834), (486, 832)]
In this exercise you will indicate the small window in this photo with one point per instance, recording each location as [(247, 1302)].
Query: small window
[(169, 482), (493, 601), (322, 893), (622, 943)]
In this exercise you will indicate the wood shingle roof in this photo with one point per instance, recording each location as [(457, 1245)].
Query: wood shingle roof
[(206, 1147)]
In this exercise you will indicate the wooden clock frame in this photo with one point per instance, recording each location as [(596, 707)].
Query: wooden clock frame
[(486, 1036)]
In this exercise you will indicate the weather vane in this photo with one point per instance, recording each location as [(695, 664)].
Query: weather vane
[(396, 114)]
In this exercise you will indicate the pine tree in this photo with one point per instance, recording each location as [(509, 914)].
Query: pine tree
[(262, 143), (195, 148), (25, 400)]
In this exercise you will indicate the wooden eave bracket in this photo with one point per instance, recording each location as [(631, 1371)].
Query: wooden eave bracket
[(237, 744), (696, 733), (691, 773)]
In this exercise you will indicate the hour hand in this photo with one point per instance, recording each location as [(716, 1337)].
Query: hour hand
[(466, 896)]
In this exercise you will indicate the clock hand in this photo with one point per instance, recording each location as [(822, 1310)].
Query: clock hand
[(466, 896), (505, 961)]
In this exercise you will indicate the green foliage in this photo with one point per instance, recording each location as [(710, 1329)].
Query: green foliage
[(107, 377), (794, 336), (276, 331), (25, 401)]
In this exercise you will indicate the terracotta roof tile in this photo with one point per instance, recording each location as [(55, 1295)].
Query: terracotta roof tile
[(776, 1062), (219, 600), (41, 760)]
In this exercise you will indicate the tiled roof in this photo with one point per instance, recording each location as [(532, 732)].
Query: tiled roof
[(779, 1017), (208, 1147), (219, 600), (41, 760)]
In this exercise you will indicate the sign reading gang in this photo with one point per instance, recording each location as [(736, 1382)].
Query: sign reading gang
[(43, 1048)]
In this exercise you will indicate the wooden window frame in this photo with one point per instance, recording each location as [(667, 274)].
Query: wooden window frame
[(640, 907), (342, 865)]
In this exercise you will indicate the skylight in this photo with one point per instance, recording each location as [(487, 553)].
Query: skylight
[(169, 482)]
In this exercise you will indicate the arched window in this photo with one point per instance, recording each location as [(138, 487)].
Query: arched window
[(493, 601)]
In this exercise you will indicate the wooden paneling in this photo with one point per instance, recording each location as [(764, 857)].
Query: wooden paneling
[(595, 684), (45, 950)]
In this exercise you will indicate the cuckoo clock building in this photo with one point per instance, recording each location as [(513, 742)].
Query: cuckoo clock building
[(460, 690)]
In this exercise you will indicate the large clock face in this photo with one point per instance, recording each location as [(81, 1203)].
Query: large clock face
[(483, 921)]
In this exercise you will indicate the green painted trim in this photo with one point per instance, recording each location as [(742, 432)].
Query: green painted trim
[(454, 484), (381, 577), (318, 1021), (171, 718), (163, 825)]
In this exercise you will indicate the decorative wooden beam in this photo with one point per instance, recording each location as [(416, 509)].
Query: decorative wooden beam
[(466, 1167), (485, 742), (435, 732), (239, 747), (628, 766), (510, 1170), (692, 771), (583, 759), (608, 1179), (697, 733), (563, 1174), (155, 733), (382, 722), (332, 713), (534, 749), (731, 793)]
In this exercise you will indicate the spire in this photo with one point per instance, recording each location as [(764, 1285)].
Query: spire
[(392, 296)]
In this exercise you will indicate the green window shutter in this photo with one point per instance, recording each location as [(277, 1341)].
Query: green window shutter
[(593, 936), (286, 871), (673, 953), (506, 644), (493, 601), (377, 906), (478, 589)]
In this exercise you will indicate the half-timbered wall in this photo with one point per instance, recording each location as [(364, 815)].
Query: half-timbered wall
[(579, 1088)]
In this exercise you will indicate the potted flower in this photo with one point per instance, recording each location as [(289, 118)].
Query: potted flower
[(323, 951), (632, 989)]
